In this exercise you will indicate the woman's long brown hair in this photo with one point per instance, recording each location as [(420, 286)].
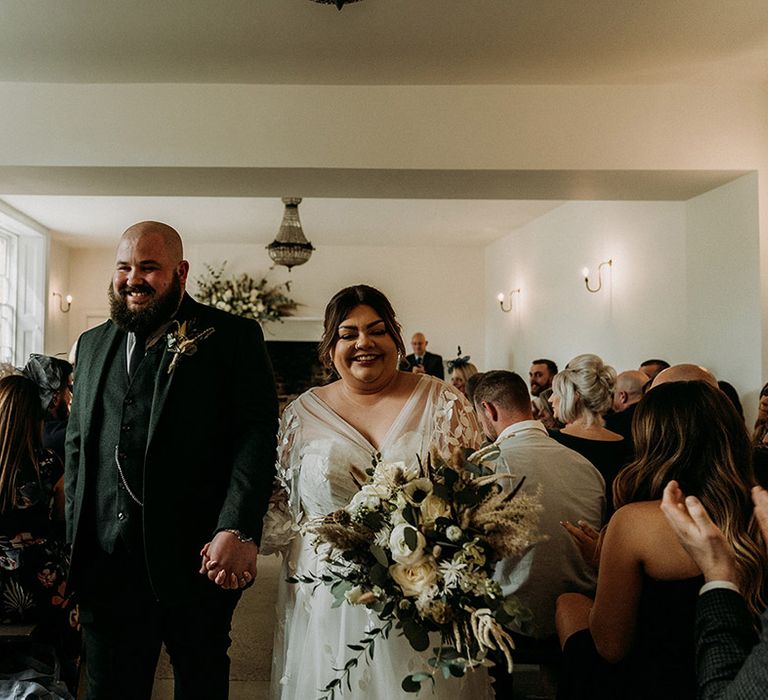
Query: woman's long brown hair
[(690, 432), (20, 435)]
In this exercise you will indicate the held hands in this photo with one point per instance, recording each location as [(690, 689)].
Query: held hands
[(418, 369), (586, 538), (228, 562), (699, 536)]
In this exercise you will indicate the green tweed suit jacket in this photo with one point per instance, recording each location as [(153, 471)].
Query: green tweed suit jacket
[(210, 455)]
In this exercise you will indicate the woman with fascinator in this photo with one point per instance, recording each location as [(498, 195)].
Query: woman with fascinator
[(460, 369), (328, 438), (53, 378)]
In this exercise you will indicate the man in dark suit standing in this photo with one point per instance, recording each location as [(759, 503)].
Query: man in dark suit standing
[(170, 445), (730, 661), (423, 362)]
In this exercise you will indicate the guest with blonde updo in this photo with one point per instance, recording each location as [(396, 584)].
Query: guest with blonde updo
[(581, 396)]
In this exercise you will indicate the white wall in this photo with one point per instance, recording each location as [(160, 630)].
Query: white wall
[(723, 285), (554, 316), (56, 322), (435, 290), (684, 286)]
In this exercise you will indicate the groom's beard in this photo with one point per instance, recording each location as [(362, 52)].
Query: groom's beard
[(144, 321)]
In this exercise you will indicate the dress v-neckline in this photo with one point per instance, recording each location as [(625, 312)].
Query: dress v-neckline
[(376, 448)]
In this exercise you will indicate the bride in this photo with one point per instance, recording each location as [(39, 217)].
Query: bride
[(329, 436)]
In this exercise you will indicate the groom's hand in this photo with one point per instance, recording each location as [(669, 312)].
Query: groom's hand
[(228, 562)]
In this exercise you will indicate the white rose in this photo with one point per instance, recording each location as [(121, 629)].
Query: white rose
[(414, 579), (399, 548)]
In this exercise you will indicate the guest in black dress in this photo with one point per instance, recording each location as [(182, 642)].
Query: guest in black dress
[(581, 395), (33, 559), (636, 639)]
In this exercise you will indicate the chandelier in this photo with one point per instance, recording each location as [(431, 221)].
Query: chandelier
[(290, 248), (339, 3)]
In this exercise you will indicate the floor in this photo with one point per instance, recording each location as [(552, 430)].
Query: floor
[(251, 651)]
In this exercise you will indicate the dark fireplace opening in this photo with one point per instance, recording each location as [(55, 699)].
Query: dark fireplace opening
[(296, 368)]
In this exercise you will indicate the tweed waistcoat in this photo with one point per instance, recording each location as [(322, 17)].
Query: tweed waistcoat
[(126, 406)]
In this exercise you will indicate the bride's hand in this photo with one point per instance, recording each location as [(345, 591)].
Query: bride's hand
[(228, 562)]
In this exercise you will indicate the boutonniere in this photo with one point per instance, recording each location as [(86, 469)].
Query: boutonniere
[(183, 341)]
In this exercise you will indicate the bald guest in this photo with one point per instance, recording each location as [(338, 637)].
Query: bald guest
[(626, 395), (685, 373), (423, 362)]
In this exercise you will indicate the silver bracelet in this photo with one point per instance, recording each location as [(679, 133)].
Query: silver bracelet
[(240, 536)]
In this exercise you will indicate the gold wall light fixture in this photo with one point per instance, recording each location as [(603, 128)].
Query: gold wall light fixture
[(585, 272), (64, 309), (500, 297)]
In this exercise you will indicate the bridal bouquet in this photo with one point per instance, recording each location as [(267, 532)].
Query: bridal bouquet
[(244, 296), (418, 546)]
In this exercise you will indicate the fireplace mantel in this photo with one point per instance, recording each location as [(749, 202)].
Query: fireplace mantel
[(306, 328)]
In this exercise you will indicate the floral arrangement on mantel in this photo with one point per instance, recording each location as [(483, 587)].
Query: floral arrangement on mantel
[(243, 295), (418, 545)]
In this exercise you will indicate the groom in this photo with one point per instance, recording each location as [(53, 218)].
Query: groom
[(170, 445)]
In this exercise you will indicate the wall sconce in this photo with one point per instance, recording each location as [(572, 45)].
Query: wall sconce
[(68, 299), (600, 267), (500, 297)]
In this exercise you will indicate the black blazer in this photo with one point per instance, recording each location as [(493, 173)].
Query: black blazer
[(211, 446), (433, 364), (729, 662)]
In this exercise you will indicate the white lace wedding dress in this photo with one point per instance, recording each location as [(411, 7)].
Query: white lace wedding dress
[(318, 455)]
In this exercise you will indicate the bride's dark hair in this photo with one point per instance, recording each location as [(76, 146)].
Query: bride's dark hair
[(339, 308)]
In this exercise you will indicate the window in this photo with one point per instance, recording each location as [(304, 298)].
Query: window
[(22, 289)]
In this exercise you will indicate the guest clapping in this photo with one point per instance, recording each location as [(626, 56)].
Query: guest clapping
[(727, 664), (643, 612)]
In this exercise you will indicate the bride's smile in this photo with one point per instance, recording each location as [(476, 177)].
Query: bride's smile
[(365, 352)]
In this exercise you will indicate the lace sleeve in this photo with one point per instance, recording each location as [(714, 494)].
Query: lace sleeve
[(456, 425), (281, 523)]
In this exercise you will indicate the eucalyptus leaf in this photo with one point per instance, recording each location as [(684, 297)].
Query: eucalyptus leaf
[(409, 685), (380, 555), (417, 636), (411, 538)]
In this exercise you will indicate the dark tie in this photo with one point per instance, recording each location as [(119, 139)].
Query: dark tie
[(137, 355)]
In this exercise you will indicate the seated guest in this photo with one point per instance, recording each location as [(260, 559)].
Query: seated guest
[(626, 394), (540, 376), (460, 370), (760, 439), (730, 662), (730, 391), (581, 395), (33, 562), (570, 489), (652, 367), (420, 361), (684, 372), (53, 378), (635, 640), (760, 434), (542, 410)]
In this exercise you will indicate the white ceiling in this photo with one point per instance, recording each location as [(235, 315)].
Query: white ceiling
[(369, 42), (384, 41), (88, 221)]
